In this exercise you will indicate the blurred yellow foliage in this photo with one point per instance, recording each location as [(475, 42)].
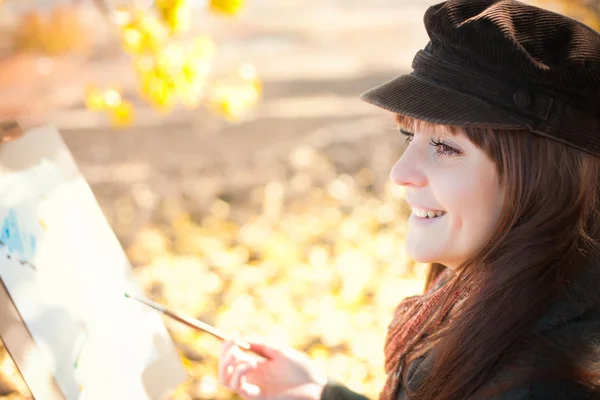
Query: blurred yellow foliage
[(12, 385), (120, 111), (57, 33), (122, 115), (173, 71), (233, 98), (143, 33), (230, 7), (176, 14)]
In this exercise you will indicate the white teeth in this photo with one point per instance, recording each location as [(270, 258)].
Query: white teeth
[(427, 214)]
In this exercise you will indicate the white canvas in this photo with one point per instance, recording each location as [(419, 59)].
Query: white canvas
[(66, 273)]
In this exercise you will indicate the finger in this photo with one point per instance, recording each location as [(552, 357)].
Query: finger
[(232, 359), (229, 370), (249, 390), (227, 344), (224, 365), (236, 337), (240, 371), (264, 350)]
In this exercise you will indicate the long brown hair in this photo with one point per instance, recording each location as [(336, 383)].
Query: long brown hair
[(548, 231)]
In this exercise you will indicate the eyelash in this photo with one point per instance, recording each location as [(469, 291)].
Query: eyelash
[(442, 148)]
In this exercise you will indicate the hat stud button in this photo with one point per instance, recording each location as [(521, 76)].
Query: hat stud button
[(522, 98)]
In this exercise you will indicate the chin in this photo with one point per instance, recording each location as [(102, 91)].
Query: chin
[(422, 255), (423, 260)]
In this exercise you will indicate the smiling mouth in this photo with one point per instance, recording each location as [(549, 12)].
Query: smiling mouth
[(427, 214)]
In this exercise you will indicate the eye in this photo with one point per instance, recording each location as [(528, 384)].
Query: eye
[(443, 149), (408, 135)]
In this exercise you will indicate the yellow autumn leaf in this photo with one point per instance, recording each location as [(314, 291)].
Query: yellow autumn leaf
[(122, 114), (229, 7)]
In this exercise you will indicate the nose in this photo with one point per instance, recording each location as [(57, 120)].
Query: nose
[(408, 170)]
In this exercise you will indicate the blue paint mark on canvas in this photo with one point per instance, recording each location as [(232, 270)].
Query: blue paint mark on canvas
[(32, 244), (11, 236)]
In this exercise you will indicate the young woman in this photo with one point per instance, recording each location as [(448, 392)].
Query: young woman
[(502, 112)]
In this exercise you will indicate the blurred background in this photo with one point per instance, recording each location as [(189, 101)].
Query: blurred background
[(225, 142)]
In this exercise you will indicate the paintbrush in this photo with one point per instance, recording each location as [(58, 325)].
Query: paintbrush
[(192, 322)]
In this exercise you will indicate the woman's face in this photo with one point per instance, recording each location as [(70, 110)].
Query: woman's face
[(453, 189)]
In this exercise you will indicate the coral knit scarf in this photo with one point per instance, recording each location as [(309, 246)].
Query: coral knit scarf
[(413, 318)]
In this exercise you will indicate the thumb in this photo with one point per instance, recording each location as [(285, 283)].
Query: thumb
[(265, 350)]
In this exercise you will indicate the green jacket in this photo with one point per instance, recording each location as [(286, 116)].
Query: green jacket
[(570, 320)]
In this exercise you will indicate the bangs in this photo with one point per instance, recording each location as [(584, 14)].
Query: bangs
[(489, 140), (413, 125)]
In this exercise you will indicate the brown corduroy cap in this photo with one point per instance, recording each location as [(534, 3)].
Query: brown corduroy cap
[(503, 64)]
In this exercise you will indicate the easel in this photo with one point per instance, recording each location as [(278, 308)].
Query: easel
[(24, 352)]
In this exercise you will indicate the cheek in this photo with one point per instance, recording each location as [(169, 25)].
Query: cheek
[(472, 203), (454, 194), (474, 207)]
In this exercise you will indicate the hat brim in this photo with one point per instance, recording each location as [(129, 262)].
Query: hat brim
[(417, 98)]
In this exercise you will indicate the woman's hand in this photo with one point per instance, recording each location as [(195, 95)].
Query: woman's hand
[(283, 373)]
